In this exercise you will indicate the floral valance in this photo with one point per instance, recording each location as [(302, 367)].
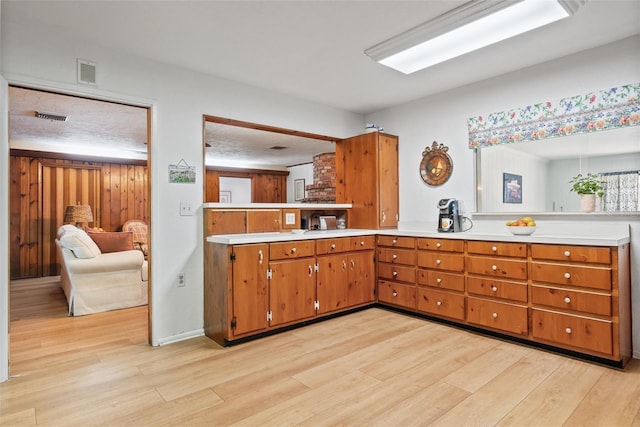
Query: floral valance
[(608, 109)]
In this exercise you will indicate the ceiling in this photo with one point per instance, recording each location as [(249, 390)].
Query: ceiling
[(312, 49)]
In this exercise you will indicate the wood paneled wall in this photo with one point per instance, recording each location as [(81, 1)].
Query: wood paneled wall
[(266, 186), (42, 187)]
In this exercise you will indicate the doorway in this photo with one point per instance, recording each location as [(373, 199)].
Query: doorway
[(67, 149)]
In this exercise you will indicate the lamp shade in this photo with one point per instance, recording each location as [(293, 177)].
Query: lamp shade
[(77, 214)]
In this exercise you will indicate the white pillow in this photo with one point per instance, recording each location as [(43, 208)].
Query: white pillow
[(80, 244), (67, 229)]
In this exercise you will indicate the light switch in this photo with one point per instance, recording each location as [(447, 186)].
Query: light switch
[(290, 218), (187, 209)]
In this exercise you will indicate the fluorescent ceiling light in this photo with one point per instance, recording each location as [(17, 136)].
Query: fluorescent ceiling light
[(472, 26)]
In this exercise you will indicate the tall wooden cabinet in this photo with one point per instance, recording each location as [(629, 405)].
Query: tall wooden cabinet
[(367, 171)]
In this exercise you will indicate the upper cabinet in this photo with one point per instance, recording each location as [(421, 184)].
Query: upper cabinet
[(367, 177)]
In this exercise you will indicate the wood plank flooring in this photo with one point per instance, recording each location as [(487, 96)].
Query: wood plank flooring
[(371, 368)]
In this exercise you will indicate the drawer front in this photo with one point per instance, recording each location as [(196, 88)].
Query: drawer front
[(441, 261), (397, 242), (497, 248), (446, 245), (497, 315), (292, 250), (514, 291), (574, 331), (362, 243), (333, 246), (497, 267), (588, 302), (572, 275), (584, 254), (441, 303), (397, 256), (439, 279), (397, 272), (397, 294)]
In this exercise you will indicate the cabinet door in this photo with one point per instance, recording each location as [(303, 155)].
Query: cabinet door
[(331, 283), (292, 290), (263, 221), (362, 282), (388, 180), (250, 297), (225, 222)]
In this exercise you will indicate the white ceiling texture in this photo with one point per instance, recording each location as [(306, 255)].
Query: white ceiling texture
[(312, 50)]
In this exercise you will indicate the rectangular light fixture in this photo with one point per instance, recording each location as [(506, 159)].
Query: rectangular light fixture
[(469, 27)]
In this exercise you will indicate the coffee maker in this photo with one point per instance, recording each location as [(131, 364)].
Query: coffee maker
[(449, 217)]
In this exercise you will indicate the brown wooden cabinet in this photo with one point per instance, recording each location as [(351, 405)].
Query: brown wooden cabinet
[(367, 171), (440, 281)]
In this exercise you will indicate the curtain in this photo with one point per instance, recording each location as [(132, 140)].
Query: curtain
[(621, 191)]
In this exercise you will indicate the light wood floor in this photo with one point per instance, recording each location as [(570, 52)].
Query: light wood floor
[(371, 368)]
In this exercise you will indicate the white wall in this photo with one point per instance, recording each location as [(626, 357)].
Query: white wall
[(240, 188), (444, 117), (305, 172), (178, 98)]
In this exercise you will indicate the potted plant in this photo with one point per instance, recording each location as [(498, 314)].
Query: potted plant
[(588, 187)]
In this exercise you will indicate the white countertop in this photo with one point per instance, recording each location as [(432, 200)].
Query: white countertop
[(601, 237), (308, 206)]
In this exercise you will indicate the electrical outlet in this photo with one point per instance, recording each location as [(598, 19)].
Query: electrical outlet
[(187, 209), (181, 280)]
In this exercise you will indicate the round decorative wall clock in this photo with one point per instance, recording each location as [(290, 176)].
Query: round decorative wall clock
[(436, 165)]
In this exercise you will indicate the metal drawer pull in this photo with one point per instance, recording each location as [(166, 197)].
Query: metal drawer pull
[(293, 250), (567, 300), (353, 264), (394, 256), (344, 264), (394, 241), (260, 256), (495, 315), (567, 253), (568, 330), (310, 270), (438, 280), (494, 267), (395, 273), (333, 246), (438, 261), (494, 249), (494, 289), (438, 245), (567, 276), (438, 303), (362, 243), (395, 294)]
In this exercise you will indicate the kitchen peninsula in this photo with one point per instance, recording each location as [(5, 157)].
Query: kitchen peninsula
[(562, 291)]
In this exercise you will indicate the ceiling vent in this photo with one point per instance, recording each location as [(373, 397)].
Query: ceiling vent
[(87, 72), (53, 117), (278, 147)]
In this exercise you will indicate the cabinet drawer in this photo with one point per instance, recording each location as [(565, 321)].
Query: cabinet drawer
[(362, 242), (497, 267), (333, 246), (515, 291), (586, 254), (574, 331), (441, 303), (572, 275), (397, 294), (291, 250), (497, 315), (398, 242), (397, 256), (439, 279), (497, 248), (588, 302), (441, 261), (445, 245), (397, 272)]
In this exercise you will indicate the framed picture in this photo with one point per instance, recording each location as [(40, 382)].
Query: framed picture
[(298, 189), (225, 196), (511, 188), (182, 173)]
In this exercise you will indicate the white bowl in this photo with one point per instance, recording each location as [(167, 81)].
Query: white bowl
[(521, 231)]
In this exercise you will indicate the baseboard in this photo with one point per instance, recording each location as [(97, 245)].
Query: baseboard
[(181, 337)]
